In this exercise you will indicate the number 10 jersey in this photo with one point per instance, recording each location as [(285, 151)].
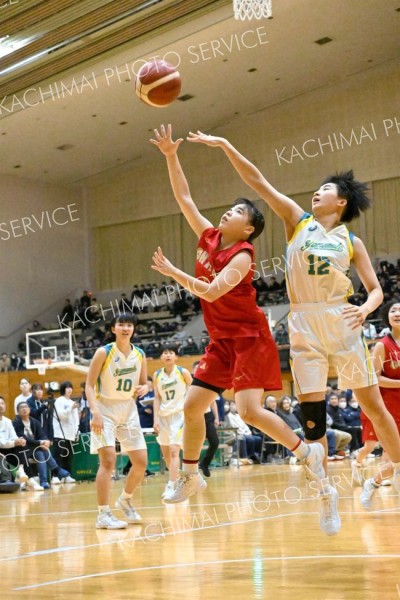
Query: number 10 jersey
[(120, 374)]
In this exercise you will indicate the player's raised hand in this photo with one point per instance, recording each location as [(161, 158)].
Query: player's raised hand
[(203, 138), (162, 264), (164, 142)]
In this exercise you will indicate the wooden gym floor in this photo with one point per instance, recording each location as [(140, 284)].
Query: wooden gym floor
[(252, 534)]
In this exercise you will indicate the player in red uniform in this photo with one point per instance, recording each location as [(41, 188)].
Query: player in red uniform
[(242, 353), (387, 364)]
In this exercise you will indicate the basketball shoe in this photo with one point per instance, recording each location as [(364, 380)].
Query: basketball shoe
[(186, 485), (369, 489), (329, 519), (312, 463), (106, 520), (130, 513)]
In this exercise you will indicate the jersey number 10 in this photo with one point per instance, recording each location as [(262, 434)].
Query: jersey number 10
[(124, 385)]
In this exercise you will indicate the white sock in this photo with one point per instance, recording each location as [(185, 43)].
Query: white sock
[(103, 508), (125, 496), (301, 451), (190, 468)]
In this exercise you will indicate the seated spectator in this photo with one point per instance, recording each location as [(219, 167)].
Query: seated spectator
[(41, 410), (37, 447), (189, 348), (12, 447), (25, 388), (352, 413), (337, 441), (338, 422), (285, 411), (204, 341), (5, 363), (249, 444)]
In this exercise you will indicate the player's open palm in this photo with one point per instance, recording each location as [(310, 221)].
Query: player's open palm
[(164, 142), (162, 264), (203, 138)]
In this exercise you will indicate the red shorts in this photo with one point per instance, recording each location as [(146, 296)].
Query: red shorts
[(242, 363), (368, 431)]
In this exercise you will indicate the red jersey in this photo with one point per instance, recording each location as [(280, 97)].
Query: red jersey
[(391, 369), (235, 314)]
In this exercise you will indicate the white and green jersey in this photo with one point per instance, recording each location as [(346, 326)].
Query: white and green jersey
[(120, 374), (171, 390), (318, 263)]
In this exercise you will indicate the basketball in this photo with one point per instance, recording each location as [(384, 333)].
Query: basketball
[(158, 83)]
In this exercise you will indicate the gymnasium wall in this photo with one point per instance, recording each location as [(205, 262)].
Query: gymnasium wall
[(43, 252), (351, 123)]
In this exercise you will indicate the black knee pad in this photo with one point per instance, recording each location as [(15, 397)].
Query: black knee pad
[(314, 413)]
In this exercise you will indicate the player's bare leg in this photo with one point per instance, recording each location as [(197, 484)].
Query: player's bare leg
[(384, 424), (135, 476), (105, 518), (190, 481), (357, 466)]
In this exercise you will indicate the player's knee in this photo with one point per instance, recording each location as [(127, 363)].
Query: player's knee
[(192, 411), (108, 462), (314, 419), (174, 453)]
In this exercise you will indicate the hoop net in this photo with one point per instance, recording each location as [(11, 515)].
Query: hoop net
[(252, 9), (42, 364)]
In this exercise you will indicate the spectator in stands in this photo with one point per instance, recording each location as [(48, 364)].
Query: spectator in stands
[(85, 300), (66, 427), (145, 406), (25, 388), (352, 413), (123, 304), (5, 363), (11, 446), (41, 410), (189, 348), (281, 335), (285, 411), (338, 422), (337, 441), (204, 341), (67, 313), (37, 447), (249, 444), (369, 330), (17, 362)]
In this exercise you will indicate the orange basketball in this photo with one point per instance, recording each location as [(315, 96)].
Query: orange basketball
[(158, 83)]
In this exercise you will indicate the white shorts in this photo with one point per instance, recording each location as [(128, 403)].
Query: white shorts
[(320, 339), (121, 422), (171, 429)]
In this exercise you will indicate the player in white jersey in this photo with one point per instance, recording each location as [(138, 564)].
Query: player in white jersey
[(117, 375), (170, 386), (325, 330)]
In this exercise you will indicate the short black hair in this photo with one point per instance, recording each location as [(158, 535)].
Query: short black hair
[(124, 318), (256, 218), (353, 191), (64, 385), (385, 309), (37, 386), (167, 346), (20, 403)]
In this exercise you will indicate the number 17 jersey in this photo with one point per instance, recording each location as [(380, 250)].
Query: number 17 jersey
[(318, 263)]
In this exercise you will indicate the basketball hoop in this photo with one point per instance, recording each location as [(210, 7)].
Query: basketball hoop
[(252, 9), (42, 364)]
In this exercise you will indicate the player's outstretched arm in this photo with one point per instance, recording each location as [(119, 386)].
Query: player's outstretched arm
[(356, 315), (179, 183), (228, 278), (285, 208)]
